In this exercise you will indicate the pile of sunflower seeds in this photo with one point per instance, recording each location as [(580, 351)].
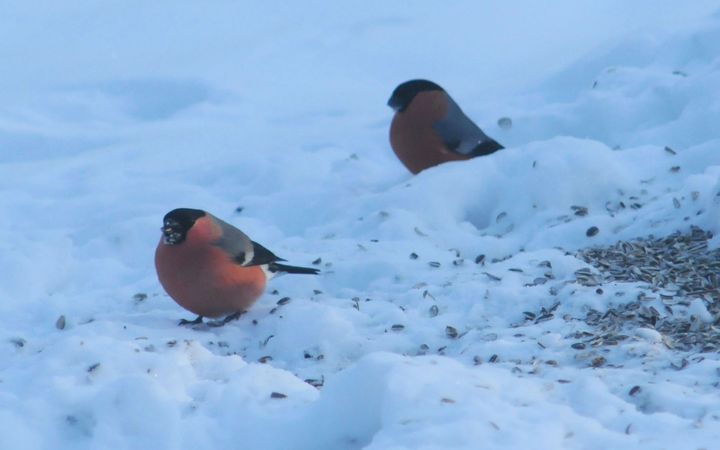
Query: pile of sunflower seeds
[(675, 270)]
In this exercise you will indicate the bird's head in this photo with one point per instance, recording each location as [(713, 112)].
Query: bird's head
[(178, 222), (406, 92)]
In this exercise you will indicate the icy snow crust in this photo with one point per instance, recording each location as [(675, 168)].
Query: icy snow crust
[(274, 120)]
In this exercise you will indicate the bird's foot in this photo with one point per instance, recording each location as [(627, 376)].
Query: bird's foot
[(229, 318), (197, 321)]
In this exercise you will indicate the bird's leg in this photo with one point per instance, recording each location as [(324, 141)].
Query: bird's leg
[(197, 321), (228, 318)]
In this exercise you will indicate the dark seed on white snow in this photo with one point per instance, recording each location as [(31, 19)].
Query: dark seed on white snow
[(413, 255), (505, 123), (93, 368), (480, 259), (278, 395), (578, 346), (592, 231), (283, 301), (451, 332), (434, 311), (634, 391), (265, 359), (317, 261), (675, 169), (60, 323), (398, 327), (315, 382), (434, 264), (492, 277)]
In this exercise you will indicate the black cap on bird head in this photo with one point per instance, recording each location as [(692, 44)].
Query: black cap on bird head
[(406, 92), (178, 222)]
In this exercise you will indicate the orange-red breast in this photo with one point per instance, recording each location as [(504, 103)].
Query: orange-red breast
[(211, 268), (429, 128)]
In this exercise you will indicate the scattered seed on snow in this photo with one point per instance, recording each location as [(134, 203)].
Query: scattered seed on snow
[(505, 123), (492, 277), (314, 382), (267, 339), (598, 362)]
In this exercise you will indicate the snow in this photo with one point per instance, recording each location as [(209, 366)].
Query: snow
[(115, 113)]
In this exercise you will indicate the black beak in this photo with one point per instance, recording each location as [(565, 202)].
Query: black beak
[(396, 104)]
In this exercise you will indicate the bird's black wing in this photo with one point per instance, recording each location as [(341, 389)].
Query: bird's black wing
[(260, 256), (241, 249), (461, 135)]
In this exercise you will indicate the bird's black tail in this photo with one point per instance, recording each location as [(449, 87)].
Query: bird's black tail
[(275, 267), (486, 147)]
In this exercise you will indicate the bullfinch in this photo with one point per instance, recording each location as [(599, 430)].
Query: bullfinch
[(429, 128), (211, 268)]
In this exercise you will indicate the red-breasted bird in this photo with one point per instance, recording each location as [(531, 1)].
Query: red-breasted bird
[(211, 268), (429, 128)]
